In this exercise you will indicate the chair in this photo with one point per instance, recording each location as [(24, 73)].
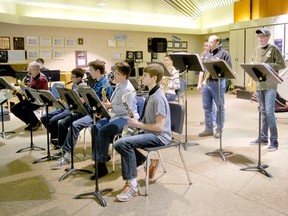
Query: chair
[(54, 89), (180, 92), (177, 122)]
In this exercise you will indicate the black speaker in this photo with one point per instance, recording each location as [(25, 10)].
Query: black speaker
[(158, 45)]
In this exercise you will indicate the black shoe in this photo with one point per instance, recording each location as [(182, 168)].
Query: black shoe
[(108, 159), (54, 141), (35, 127), (27, 127), (102, 171)]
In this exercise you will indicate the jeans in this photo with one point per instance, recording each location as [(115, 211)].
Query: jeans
[(64, 125), (53, 118), (130, 156), (77, 126), (268, 114), (209, 95), (104, 132)]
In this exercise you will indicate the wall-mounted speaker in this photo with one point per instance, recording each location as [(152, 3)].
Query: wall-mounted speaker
[(157, 45)]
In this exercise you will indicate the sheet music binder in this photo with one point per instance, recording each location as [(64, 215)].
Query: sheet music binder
[(187, 61), (219, 68), (93, 101), (257, 70)]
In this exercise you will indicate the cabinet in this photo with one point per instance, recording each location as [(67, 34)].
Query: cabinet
[(237, 47)]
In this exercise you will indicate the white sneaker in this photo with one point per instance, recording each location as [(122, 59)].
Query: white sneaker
[(60, 163), (128, 193)]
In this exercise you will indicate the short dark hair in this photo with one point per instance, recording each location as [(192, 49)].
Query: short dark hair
[(40, 60), (78, 72), (98, 65), (124, 68), (155, 70)]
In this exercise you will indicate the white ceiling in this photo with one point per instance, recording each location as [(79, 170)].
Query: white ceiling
[(145, 15)]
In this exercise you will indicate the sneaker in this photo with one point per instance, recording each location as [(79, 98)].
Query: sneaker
[(59, 154), (206, 133), (154, 163), (60, 163), (217, 134), (273, 146), (128, 193), (256, 142)]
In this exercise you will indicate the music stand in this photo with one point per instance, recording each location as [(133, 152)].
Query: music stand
[(76, 106), (185, 62), (46, 97), (4, 84), (219, 69), (32, 100), (259, 73), (96, 106)]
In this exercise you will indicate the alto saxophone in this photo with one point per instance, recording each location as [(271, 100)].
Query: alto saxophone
[(127, 130), (104, 98)]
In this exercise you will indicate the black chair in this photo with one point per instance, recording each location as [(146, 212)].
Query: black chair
[(177, 122)]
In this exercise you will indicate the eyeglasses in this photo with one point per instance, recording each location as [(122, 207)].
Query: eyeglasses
[(261, 36)]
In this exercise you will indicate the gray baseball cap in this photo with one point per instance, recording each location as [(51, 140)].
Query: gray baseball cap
[(264, 31)]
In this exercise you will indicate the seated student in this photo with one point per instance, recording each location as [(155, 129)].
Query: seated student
[(103, 90), (24, 109), (156, 132), (41, 63), (58, 114), (170, 84)]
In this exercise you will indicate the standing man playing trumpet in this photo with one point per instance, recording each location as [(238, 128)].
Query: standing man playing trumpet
[(170, 84), (210, 90), (24, 109)]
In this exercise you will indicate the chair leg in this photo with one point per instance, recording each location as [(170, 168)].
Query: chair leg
[(184, 164), (85, 146), (161, 161), (113, 158), (147, 174)]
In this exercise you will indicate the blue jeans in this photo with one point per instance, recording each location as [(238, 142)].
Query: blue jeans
[(77, 125), (104, 132), (268, 114), (64, 125), (53, 118), (130, 156), (209, 95)]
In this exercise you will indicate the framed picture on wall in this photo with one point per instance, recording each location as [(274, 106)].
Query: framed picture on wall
[(32, 54), (45, 41), (32, 41), (81, 58), (169, 44), (45, 54), (58, 54), (138, 56), (18, 43), (176, 44), (130, 55), (4, 43), (184, 44), (69, 42), (57, 41)]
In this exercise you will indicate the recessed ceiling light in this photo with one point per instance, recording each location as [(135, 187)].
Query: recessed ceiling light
[(102, 4)]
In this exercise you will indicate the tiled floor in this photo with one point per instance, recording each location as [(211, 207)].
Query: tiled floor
[(219, 187)]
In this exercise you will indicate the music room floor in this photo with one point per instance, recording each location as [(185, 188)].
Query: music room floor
[(219, 187)]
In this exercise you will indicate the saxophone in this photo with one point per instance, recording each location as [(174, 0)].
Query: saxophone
[(127, 130), (20, 83), (103, 93)]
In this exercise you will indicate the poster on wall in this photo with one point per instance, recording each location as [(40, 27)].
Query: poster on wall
[(279, 44), (81, 59)]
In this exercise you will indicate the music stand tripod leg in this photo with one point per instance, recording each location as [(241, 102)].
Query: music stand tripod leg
[(3, 133), (220, 152), (48, 156), (97, 193), (260, 167), (186, 143), (72, 170)]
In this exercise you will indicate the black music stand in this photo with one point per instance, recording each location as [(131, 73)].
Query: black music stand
[(186, 62), (260, 73), (46, 97), (219, 69), (75, 105), (32, 100), (4, 84), (96, 106)]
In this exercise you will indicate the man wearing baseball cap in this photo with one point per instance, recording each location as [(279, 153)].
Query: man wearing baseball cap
[(272, 56)]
